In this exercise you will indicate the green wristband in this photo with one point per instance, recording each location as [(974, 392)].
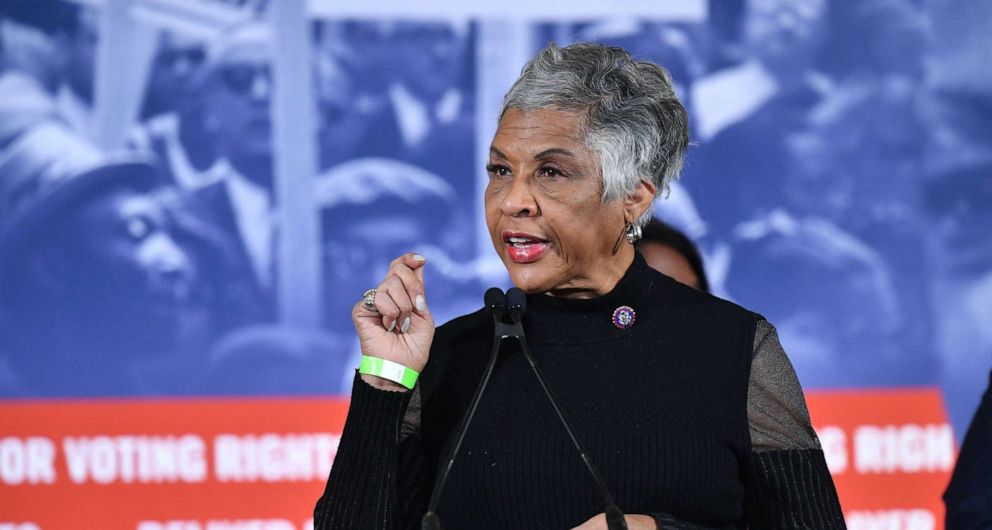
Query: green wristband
[(389, 370)]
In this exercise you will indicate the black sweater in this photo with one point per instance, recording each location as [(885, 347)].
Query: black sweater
[(664, 409)]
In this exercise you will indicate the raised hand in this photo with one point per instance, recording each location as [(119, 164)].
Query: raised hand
[(400, 328)]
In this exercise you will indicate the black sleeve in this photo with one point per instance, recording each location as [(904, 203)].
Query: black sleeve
[(788, 484), (969, 495), (380, 477)]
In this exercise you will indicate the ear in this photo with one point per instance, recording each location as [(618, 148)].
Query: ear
[(639, 200)]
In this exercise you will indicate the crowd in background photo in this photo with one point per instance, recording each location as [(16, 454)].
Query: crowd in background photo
[(839, 184)]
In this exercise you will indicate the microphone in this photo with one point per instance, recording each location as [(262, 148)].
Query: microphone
[(517, 305), (495, 301), (513, 305)]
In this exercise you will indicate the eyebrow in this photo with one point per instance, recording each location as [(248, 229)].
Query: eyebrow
[(543, 154), (553, 151), (497, 152)]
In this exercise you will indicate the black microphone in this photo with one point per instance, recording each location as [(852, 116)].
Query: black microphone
[(495, 301), (516, 302), (513, 305)]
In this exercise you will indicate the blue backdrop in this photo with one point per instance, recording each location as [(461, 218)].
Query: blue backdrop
[(194, 194)]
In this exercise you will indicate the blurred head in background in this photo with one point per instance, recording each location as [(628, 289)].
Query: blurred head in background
[(804, 275), (433, 57), (174, 68), (93, 279), (366, 50), (958, 184), (877, 38), (671, 253), (374, 210), (47, 56), (237, 90), (784, 35), (37, 37), (342, 128)]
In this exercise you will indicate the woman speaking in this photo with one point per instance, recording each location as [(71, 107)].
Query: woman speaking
[(685, 403)]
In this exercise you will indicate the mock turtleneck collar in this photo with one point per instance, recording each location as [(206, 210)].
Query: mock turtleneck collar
[(586, 320)]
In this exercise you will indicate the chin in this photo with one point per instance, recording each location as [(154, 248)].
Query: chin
[(530, 278)]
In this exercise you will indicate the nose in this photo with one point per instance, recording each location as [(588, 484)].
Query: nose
[(519, 200), (168, 261), (261, 87)]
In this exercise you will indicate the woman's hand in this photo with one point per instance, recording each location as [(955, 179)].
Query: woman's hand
[(401, 328), (634, 522)]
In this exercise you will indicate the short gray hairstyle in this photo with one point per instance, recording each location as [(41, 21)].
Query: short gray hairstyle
[(633, 119)]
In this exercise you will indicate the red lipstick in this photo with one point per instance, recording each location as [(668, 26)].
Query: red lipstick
[(524, 248)]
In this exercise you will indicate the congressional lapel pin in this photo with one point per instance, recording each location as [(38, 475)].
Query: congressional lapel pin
[(624, 317)]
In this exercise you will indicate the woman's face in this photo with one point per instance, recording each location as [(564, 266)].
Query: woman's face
[(544, 209)]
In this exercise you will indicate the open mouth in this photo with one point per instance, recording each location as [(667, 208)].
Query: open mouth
[(524, 248)]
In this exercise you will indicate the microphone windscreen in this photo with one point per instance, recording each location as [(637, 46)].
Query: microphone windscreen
[(515, 298), (615, 519), (495, 299)]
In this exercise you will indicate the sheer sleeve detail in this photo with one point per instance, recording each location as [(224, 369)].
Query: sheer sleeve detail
[(776, 409), (411, 418), (380, 477)]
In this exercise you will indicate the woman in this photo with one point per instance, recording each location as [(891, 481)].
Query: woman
[(686, 403), (672, 253)]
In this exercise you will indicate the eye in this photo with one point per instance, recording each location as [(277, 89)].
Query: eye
[(138, 228), (497, 170), (549, 171)]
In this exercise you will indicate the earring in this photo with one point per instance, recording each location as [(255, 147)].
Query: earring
[(633, 233)]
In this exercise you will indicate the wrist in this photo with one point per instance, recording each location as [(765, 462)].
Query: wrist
[(382, 384), (388, 370)]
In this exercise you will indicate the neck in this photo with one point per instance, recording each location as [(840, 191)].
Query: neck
[(602, 280)]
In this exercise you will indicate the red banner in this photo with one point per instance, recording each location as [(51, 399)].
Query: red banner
[(246, 464), (891, 453), (260, 464)]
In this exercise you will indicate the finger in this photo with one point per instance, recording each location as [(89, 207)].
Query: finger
[(399, 296), (386, 306), (414, 261), (414, 286), (362, 311), (367, 309)]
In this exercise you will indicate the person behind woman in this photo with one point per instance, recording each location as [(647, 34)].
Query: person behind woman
[(672, 253), (686, 403)]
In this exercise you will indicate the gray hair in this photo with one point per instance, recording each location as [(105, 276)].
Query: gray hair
[(633, 119)]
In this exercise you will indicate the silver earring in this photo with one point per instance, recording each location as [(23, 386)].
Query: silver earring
[(633, 233)]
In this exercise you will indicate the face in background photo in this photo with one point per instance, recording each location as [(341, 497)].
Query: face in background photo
[(784, 35), (375, 209), (433, 56), (802, 275), (98, 285), (237, 96)]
